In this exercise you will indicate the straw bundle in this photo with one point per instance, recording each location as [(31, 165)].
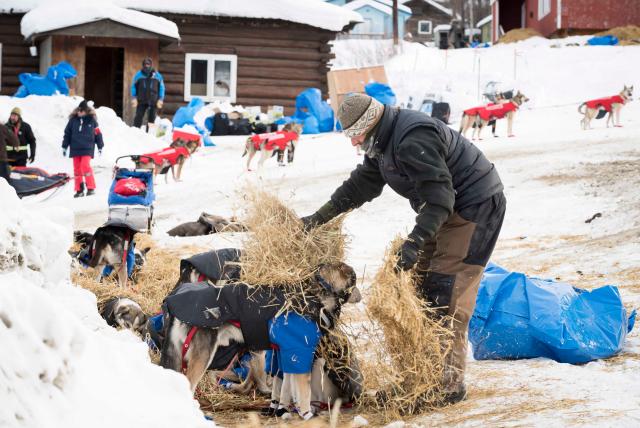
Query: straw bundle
[(629, 34), (412, 348), (278, 252), (519, 34)]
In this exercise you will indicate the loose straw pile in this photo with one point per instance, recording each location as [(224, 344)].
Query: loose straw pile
[(278, 252), (410, 352)]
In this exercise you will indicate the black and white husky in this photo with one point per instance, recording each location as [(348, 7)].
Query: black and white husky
[(191, 350), (124, 313)]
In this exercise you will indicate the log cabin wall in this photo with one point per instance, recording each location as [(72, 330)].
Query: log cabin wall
[(73, 48), (276, 59), (16, 58)]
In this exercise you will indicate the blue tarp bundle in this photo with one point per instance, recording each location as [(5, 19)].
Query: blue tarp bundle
[(381, 92), (186, 116), (603, 41), (55, 82), (521, 317), (314, 114)]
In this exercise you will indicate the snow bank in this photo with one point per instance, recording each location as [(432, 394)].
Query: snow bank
[(60, 364), (315, 13), (53, 16), (552, 72)]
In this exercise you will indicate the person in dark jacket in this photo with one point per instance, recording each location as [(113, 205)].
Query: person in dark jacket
[(22, 130), (147, 92), (456, 193), (7, 140), (81, 136)]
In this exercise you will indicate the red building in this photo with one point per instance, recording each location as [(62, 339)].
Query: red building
[(562, 17)]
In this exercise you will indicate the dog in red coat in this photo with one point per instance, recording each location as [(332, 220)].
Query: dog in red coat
[(601, 106), (481, 116), (162, 161), (273, 143)]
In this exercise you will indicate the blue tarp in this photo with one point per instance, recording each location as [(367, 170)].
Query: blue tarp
[(314, 114), (146, 199), (55, 82), (521, 317), (186, 116), (603, 41), (381, 92)]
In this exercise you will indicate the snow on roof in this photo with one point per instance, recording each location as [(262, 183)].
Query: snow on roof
[(484, 21), (315, 13), (381, 5), (435, 4), (53, 16)]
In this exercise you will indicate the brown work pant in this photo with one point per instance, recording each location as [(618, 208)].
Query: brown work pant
[(451, 266)]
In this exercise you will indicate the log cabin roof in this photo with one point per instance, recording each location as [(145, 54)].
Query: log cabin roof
[(49, 17), (315, 13)]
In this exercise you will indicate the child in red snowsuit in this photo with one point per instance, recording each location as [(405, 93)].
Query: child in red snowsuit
[(80, 136)]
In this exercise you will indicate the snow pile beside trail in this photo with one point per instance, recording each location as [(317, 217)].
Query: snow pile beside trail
[(48, 117), (60, 364)]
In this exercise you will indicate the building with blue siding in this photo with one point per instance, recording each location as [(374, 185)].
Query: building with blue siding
[(378, 17)]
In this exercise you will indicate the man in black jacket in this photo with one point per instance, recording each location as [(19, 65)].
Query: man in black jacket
[(147, 92), (456, 193), (18, 156)]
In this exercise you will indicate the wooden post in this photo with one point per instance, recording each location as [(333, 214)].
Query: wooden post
[(395, 22)]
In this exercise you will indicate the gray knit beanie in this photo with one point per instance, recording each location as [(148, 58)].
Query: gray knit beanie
[(358, 114)]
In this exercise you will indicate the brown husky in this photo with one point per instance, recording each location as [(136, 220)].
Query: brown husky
[(611, 105), (481, 116)]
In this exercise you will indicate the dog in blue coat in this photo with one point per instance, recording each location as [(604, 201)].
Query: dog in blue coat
[(200, 319)]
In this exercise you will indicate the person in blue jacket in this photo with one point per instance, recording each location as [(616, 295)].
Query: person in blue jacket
[(147, 92), (81, 136)]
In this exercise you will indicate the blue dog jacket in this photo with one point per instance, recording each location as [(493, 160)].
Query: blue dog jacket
[(296, 338)]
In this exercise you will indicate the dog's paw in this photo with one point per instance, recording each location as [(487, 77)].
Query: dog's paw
[(284, 414), (511, 135), (308, 415), (618, 126)]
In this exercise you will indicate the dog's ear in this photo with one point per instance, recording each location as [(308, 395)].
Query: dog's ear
[(146, 250), (355, 296)]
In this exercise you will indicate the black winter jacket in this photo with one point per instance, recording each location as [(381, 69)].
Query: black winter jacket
[(26, 139), (425, 161), (81, 135)]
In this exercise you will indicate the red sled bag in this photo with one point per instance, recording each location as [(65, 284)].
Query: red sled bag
[(130, 187)]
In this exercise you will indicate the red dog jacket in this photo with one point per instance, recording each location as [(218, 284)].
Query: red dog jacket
[(278, 139), (492, 111), (169, 154), (605, 103), (130, 187)]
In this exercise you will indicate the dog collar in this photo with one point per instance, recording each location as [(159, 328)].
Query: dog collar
[(324, 283)]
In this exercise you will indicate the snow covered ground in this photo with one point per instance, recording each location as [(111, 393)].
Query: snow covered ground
[(556, 177)]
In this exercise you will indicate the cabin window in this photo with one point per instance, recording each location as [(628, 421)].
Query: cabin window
[(424, 27), (210, 77), (544, 7)]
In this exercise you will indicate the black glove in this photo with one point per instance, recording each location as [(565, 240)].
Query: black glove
[(31, 158), (320, 217), (407, 255)]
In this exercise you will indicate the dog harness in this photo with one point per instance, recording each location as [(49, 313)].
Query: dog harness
[(170, 154), (492, 111), (279, 139), (605, 103)]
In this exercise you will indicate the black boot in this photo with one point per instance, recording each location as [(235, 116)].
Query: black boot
[(80, 193), (91, 192)]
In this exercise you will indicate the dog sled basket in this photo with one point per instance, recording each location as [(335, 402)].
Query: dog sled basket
[(135, 209)]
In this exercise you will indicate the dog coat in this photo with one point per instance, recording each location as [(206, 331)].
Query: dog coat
[(205, 306), (170, 154), (296, 338), (278, 139), (212, 264), (605, 103), (492, 111)]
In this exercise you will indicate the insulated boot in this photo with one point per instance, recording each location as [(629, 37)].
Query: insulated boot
[(78, 194), (91, 192)]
